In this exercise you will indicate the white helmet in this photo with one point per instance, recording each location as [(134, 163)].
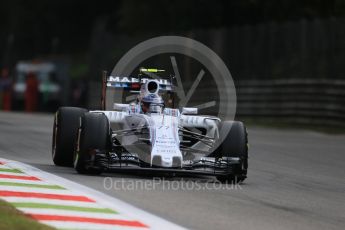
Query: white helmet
[(154, 102)]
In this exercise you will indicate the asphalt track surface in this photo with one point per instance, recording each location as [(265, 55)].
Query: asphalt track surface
[(296, 180)]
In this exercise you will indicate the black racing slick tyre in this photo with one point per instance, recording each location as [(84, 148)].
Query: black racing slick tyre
[(93, 136), (235, 144), (66, 124)]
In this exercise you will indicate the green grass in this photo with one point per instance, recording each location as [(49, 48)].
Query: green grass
[(12, 219)]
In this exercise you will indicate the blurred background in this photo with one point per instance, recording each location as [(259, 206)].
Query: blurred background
[(287, 57)]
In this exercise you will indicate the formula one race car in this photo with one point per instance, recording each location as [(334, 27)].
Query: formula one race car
[(146, 135)]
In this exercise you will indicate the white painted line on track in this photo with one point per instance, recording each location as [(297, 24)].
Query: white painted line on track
[(103, 200), (13, 174), (86, 226)]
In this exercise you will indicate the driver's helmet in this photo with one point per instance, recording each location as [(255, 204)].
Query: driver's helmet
[(152, 103)]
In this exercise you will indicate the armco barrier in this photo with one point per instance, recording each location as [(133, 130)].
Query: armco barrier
[(312, 101)]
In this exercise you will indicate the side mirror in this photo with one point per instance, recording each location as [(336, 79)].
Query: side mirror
[(121, 107), (189, 110)]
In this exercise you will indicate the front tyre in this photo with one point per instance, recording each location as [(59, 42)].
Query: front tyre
[(93, 137), (235, 144), (66, 123)]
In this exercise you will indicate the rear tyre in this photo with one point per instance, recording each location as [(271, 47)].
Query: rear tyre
[(66, 123), (235, 144), (93, 136)]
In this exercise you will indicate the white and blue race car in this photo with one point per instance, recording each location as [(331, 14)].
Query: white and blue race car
[(147, 135)]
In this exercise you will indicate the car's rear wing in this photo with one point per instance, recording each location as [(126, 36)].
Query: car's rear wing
[(133, 84)]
